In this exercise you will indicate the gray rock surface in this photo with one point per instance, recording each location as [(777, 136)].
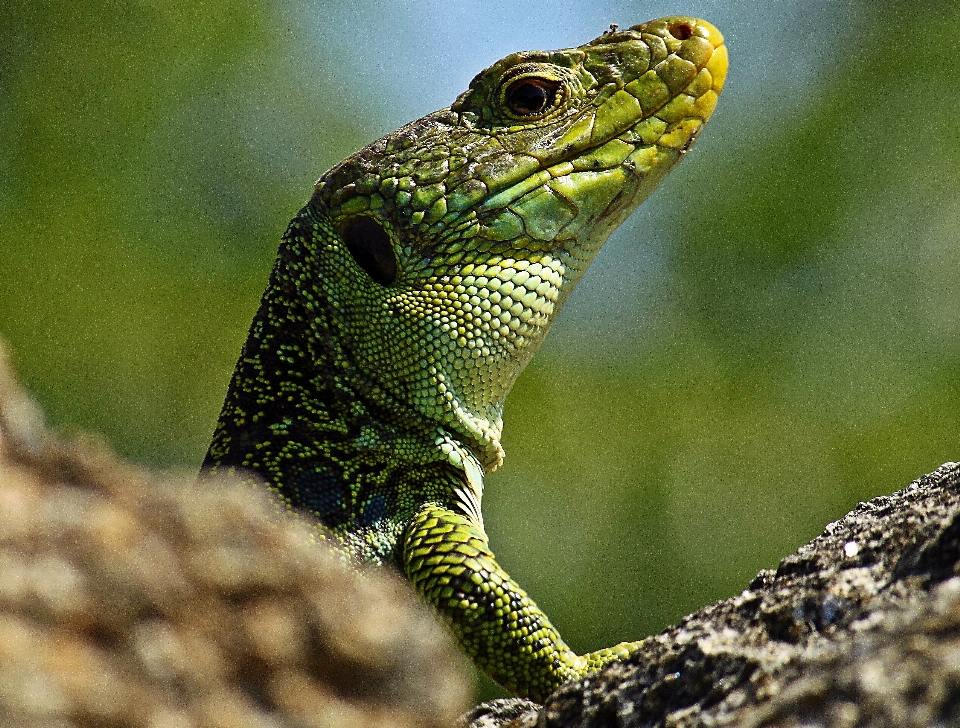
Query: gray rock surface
[(128, 599), (860, 627)]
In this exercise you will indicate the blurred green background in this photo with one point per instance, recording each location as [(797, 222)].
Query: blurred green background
[(773, 337)]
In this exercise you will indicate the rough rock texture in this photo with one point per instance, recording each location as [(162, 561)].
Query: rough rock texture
[(130, 600), (861, 627)]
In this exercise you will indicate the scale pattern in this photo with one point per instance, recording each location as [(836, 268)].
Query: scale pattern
[(414, 287)]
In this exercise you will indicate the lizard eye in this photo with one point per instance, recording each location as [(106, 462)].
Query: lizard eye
[(370, 246), (531, 96)]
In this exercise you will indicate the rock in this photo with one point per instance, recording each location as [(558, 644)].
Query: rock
[(860, 627), (128, 599), (500, 712)]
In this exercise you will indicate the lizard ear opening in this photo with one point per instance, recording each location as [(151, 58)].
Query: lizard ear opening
[(370, 246)]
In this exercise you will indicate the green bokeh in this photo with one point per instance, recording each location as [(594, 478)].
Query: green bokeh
[(797, 350)]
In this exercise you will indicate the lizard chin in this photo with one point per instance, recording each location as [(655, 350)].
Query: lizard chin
[(502, 306)]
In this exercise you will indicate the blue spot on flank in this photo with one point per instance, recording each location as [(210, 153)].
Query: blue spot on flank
[(322, 493), (373, 510)]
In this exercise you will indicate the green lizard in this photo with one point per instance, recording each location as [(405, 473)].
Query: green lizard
[(411, 291)]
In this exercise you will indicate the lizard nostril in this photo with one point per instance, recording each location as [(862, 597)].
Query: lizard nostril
[(681, 30)]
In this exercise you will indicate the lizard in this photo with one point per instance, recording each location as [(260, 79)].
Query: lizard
[(414, 287)]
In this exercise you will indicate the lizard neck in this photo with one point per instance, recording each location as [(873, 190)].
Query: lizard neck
[(301, 414)]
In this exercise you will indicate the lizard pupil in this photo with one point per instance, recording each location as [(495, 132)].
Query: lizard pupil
[(531, 96), (370, 246)]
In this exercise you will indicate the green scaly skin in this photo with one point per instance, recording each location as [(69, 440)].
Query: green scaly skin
[(414, 287)]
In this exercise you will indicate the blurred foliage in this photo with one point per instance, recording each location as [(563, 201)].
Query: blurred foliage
[(150, 155), (798, 351)]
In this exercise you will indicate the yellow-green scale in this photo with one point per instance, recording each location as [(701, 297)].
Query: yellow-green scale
[(414, 287)]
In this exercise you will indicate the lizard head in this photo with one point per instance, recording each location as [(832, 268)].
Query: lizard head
[(451, 244)]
